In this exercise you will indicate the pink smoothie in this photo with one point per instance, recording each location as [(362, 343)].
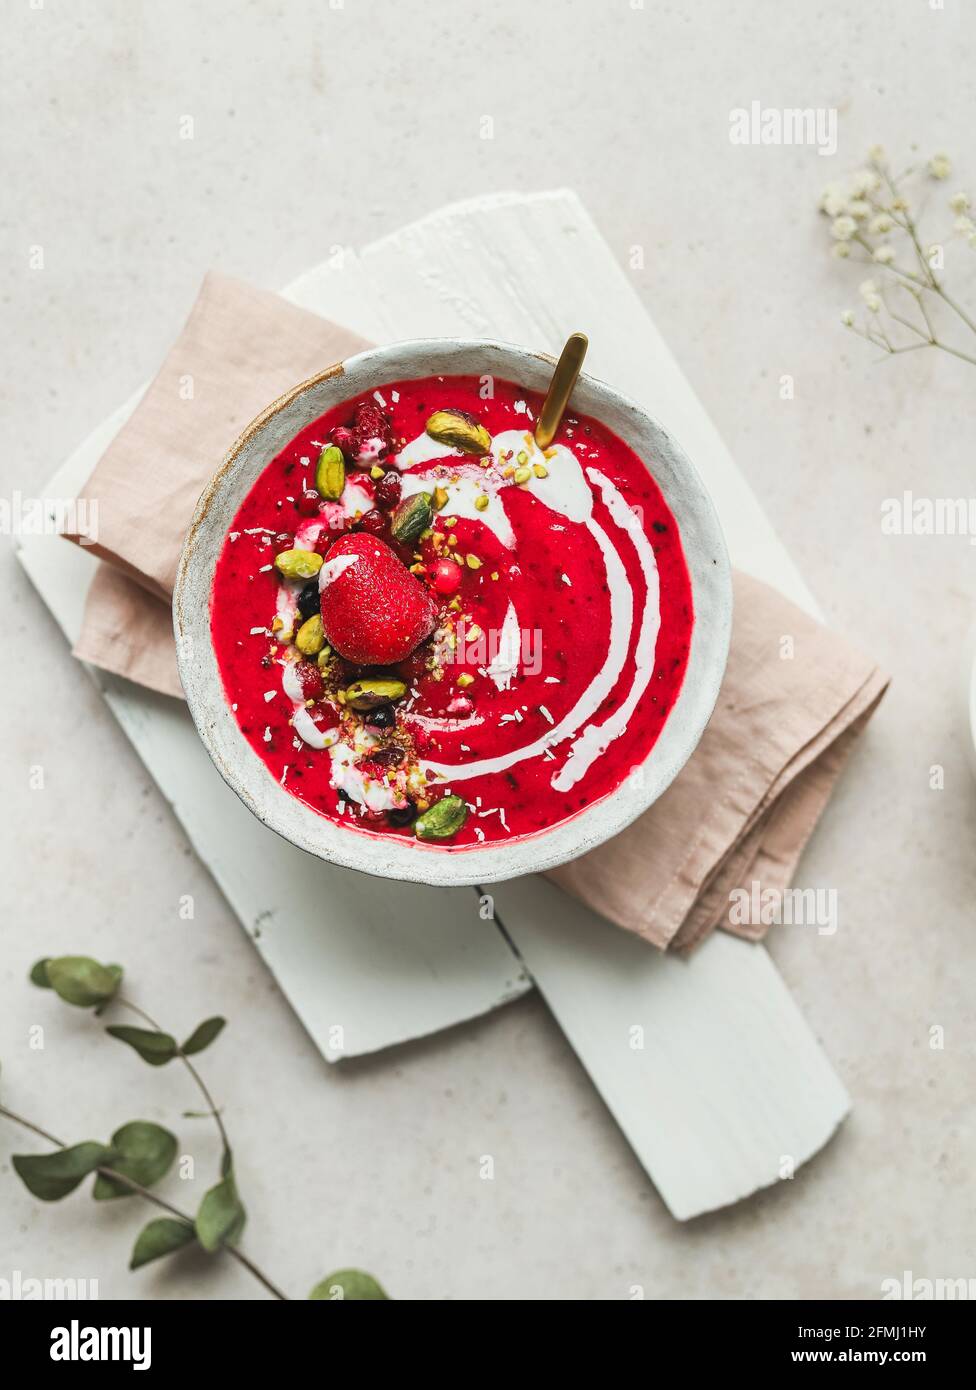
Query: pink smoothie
[(562, 630)]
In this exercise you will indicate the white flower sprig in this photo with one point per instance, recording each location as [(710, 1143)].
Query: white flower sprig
[(871, 222)]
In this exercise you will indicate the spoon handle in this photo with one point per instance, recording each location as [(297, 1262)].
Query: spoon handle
[(561, 388)]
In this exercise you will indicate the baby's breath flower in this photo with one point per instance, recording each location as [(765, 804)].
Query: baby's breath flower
[(864, 218), (864, 181), (868, 291), (832, 200)]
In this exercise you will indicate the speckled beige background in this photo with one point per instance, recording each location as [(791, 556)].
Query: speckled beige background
[(317, 126)]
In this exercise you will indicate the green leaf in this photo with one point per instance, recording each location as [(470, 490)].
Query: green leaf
[(160, 1238), (221, 1217), (203, 1035), (144, 1152), (348, 1284), (53, 1176), (116, 972), (38, 975), (82, 981), (155, 1048)]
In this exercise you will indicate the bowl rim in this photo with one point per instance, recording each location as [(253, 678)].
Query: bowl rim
[(407, 859)]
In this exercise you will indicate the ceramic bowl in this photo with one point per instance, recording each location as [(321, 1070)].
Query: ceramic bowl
[(400, 857)]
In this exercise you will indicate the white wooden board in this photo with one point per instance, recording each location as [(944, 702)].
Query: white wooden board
[(729, 1079)]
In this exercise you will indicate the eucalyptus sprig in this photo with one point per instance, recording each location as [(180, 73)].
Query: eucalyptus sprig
[(140, 1153), (873, 222)]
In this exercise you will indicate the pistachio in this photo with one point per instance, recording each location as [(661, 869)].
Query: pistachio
[(411, 517), (522, 475), (298, 564), (373, 691), (439, 499), (324, 658), (472, 562), (481, 501), (310, 638), (465, 678), (460, 430), (540, 470), (443, 820), (330, 473)]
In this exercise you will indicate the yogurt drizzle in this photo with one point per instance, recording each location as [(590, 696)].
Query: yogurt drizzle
[(564, 490)]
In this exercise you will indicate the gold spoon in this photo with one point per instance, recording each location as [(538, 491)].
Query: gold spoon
[(561, 388)]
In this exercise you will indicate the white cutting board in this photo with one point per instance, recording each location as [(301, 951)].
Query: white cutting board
[(729, 1081)]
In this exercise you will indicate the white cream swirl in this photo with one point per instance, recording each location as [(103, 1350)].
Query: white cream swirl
[(564, 489)]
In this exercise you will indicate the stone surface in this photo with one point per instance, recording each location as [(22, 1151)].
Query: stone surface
[(377, 1162)]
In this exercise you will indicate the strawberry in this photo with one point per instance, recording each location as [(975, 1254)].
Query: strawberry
[(373, 609)]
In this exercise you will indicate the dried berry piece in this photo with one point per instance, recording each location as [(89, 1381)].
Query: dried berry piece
[(388, 490), (373, 522), (390, 756), (308, 599), (383, 717), (344, 438)]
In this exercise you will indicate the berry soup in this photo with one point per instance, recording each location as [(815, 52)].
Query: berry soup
[(429, 627)]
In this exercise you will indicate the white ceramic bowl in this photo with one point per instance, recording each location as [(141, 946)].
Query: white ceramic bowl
[(401, 857)]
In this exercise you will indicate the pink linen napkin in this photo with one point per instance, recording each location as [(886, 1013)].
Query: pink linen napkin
[(740, 812)]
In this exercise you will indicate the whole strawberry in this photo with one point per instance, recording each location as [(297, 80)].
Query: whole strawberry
[(374, 611)]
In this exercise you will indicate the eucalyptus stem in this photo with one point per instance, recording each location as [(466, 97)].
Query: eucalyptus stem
[(144, 1192), (200, 1083)]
